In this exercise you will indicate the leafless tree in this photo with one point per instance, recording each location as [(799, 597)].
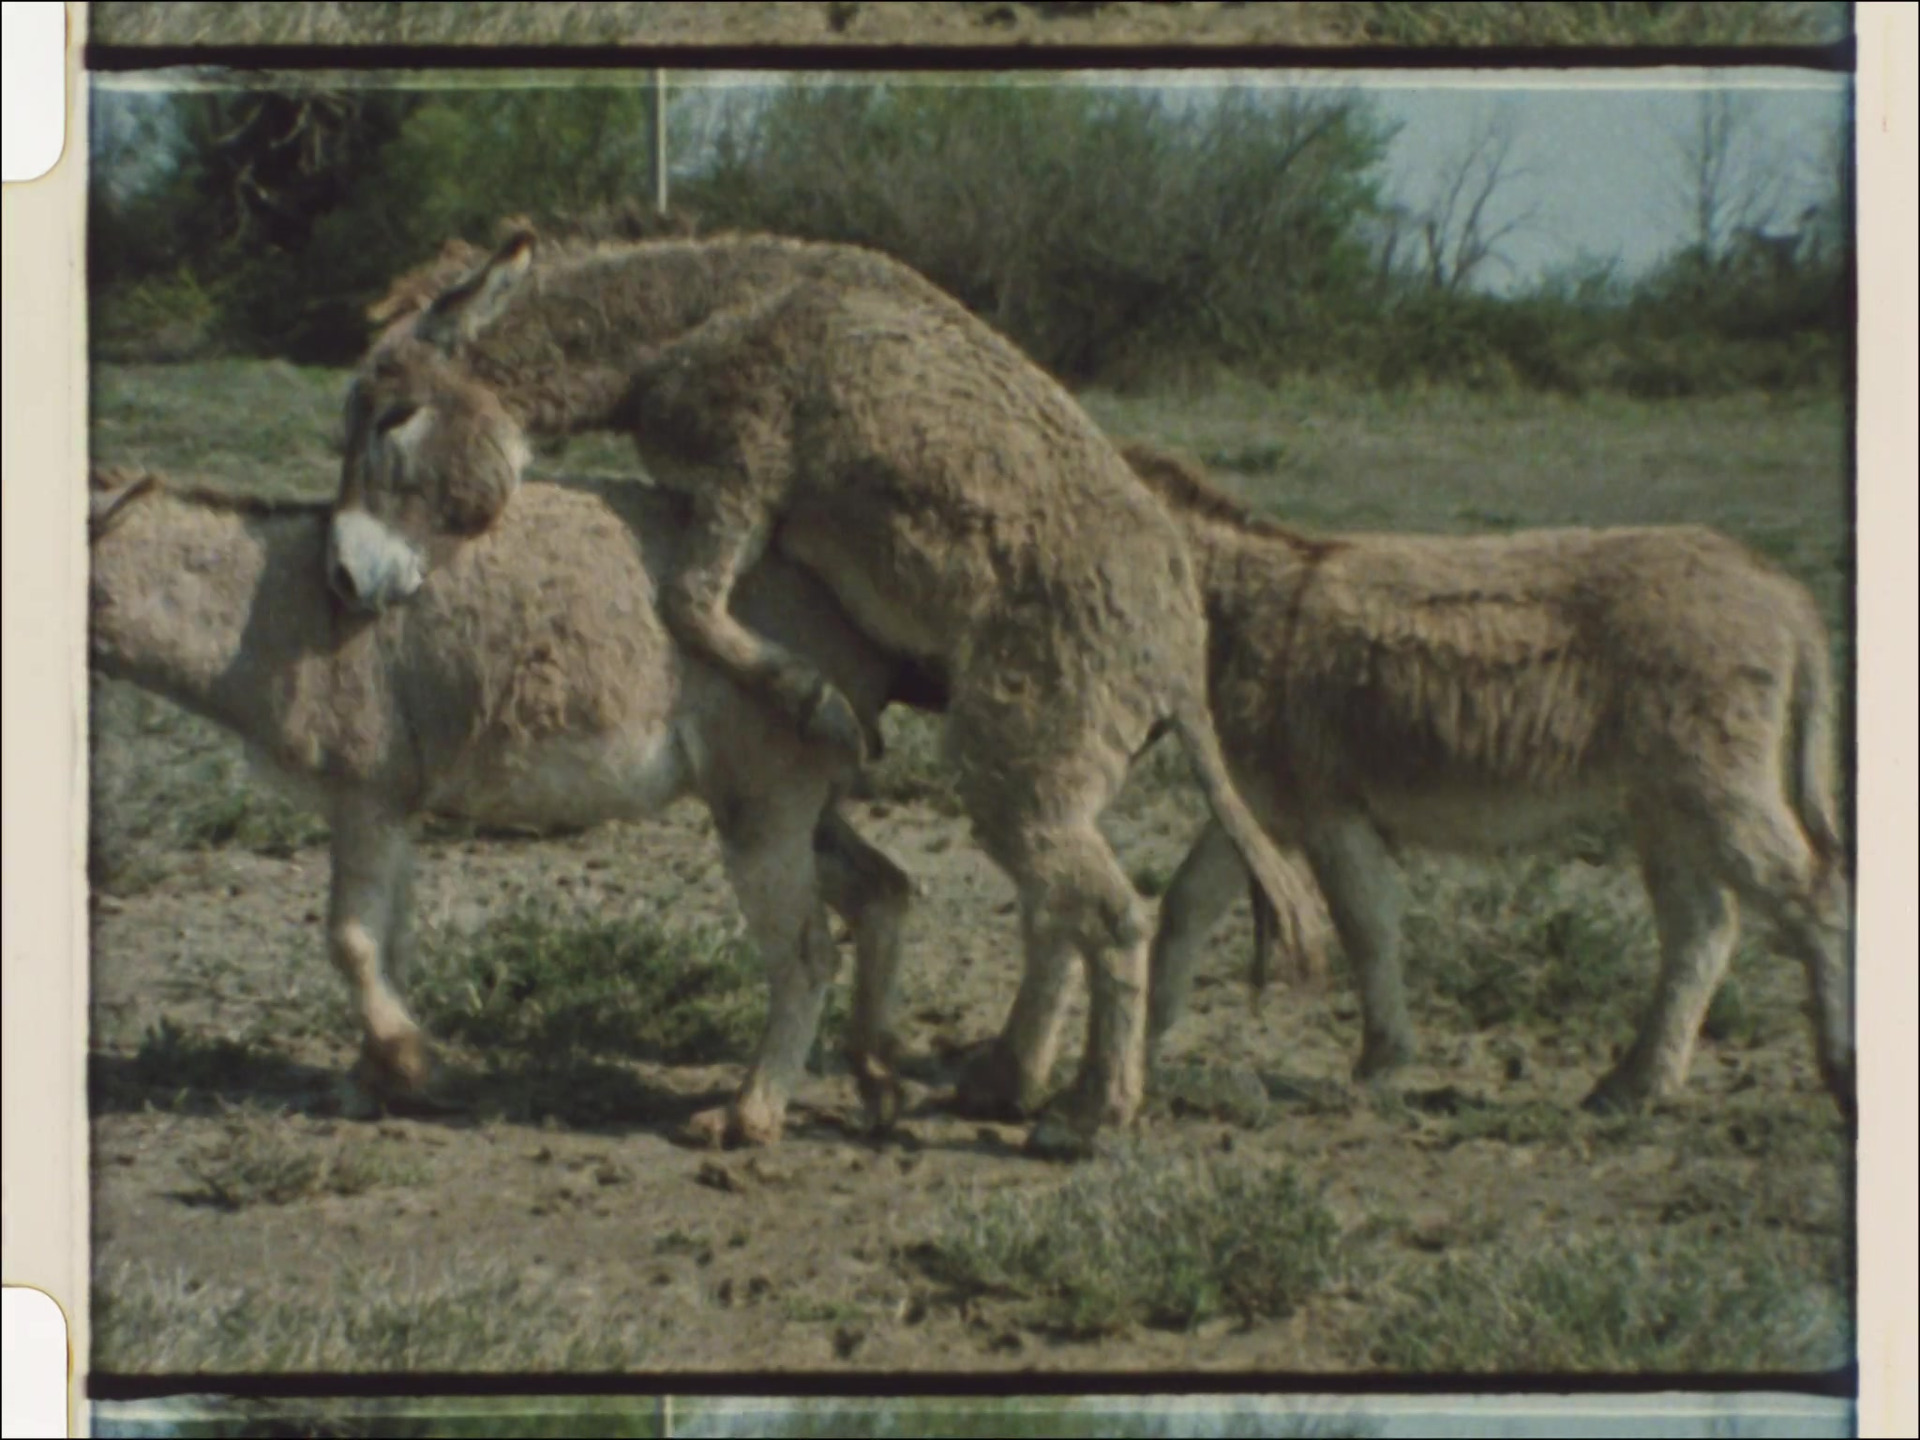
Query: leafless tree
[(1726, 183), (1458, 231)]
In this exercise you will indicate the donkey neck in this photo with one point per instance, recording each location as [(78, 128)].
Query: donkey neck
[(563, 354)]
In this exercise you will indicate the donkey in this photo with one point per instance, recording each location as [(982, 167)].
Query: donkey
[(829, 403), (531, 682), (1379, 691)]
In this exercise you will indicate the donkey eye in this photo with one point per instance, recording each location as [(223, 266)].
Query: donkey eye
[(397, 413)]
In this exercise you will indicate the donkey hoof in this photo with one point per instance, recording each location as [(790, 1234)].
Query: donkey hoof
[(1845, 1099), (830, 721), (1379, 1058), (990, 1088), (1614, 1097), (727, 1127), (705, 1131), (880, 1092), (1065, 1136), (397, 1068)]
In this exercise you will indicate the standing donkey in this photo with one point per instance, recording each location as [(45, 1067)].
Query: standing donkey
[(828, 403), (532, 682), (1374, 691)]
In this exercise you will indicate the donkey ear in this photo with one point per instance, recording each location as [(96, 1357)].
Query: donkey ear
[(463, 310), (109, 490)]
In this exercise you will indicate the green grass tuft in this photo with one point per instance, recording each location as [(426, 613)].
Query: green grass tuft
[(1674, 1302), (540, 980), (268, 1166), (1129, 1242), (478, 1315)]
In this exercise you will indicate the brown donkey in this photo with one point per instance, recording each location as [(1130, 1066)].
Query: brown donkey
[(828, 403), (1374, 691), (531, 682)]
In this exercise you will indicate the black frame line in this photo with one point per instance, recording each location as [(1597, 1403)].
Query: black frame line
[(1839, 56), (1841, 1384)]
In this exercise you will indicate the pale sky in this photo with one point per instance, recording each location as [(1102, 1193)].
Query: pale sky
[(1598, 155)]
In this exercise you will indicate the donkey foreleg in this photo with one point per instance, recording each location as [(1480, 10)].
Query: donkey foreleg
[(366, 923), (873, 895), (696, 606)]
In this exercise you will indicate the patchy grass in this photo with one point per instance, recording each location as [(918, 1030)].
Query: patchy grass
[(170, 1056), (164, 783), (569, 1091), (264, 427), (911, 772), (1585, 22), (1538, 1122), (823, 1312), (1560, 944), (1534, 942), (1761, 1129), (181, 1070), (1618, 1304), (1736, 1199), (1230, 1093), (478, 1315), (1325, 22), (256, 1165), (1252, 457), (1130, 1241), (547, 995), (541, 980), (1736, 1016)]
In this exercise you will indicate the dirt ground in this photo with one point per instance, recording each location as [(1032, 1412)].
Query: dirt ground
[(799, 1257)]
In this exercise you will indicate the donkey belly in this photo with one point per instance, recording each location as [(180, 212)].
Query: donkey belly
[(569, 782), (1469, 817), (880, 580)]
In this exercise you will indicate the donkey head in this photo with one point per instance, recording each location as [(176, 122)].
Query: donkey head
[(426, 452)]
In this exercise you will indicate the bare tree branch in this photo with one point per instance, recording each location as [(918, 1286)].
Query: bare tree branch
[(1724, 184), (1458, 238)]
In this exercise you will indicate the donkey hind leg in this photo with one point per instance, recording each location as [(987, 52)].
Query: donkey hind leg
[(1083, 896), (400, 938), (768, 851), (366, 916), (873, 895), (1365, 897), (1008, 1079), (1035, 777), (1766, 858), (1202, 890), (726, 541), (1698, 923)]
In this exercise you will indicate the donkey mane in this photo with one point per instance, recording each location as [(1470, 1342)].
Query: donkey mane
[(1182, 482), (622, 222), (119, 485), (265, 506), (208, 497), (625, 222)]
